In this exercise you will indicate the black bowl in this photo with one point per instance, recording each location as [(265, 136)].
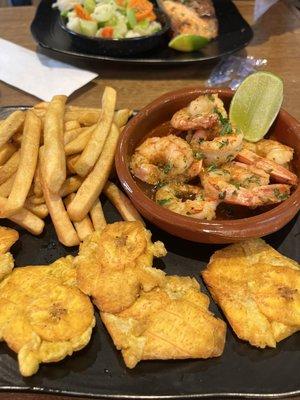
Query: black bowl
[(120, 47)]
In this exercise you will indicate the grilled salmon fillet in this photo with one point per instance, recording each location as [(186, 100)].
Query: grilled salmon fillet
[(194, 17)]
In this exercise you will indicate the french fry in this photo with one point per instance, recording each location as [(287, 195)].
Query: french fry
[(28, 161), (71, 161), (93, 149), (84, 227), (55, 167), (122, 116), (92, 186), (85, 117), (63, 226), (73, 124), (10, 167), (78, 144), (43, 105), (74, 133), (97, 216), (36, 200), (5, 187), (83, 134), (121, 202), (70, 185), (25, 219), (37, 188), (10, 126), (6, 151), (40, 210)]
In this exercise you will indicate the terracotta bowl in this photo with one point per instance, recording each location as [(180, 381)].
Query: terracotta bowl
[(285, 129)]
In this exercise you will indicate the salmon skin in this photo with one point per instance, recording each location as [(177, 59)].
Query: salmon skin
[(193, 17)]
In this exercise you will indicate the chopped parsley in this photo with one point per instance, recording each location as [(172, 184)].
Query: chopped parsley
[(226, 125), (229, 158), (280, 196), (226, 129), (167, 168), (198, 155), (162, 202), (212, 168), (252, 179), (222, 195), (236, 184), (223, 143), (159, 185)]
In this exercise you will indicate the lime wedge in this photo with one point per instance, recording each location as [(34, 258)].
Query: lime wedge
[(188, 42), (256, 104)]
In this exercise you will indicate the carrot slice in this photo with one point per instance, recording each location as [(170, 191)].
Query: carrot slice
[(82, 13), (142, 8), (107, 32)]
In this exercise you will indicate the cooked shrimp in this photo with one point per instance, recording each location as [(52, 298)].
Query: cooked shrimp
[(161, 159), (186, 200), (219, 150), (203, 112), (277, 171), (246, 176), (272, 150), (220, 188)]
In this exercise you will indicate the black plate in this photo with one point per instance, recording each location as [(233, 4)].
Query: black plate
[(234, 34), (98, 369)]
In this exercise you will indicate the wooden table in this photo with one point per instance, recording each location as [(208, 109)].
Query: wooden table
[(276, 38)]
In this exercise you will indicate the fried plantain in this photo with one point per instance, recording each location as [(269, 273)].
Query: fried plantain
[(43, 316), (169, 322), (7, 238), (115, 264), (258, 290)]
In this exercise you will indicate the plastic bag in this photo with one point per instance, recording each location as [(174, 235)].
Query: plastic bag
[(232, 70)]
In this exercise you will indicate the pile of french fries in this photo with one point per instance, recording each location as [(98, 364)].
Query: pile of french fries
[(56, 159)]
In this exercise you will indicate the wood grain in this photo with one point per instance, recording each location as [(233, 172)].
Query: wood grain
[(276, 38)]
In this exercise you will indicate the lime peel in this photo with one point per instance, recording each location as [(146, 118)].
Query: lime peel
[(256, 104), (187, 43)]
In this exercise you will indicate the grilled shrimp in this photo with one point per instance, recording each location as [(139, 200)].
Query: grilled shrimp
[(187, 200), (271, 150), (203, 112), (276, 171), (161, 159), (233, 185), (219, 150)]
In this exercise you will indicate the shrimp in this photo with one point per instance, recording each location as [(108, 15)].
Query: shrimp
[(276, 171), (203, 112), (244, 175), (219, 150), (271, 150), (186, 200), (161, 159), (220, 190)]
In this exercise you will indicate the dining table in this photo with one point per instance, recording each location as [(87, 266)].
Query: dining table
[(276, 39)]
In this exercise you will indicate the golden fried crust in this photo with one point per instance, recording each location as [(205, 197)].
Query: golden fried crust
[(258, 290), (7, 238), (42, 317), (172, 322), (115, 264), (6, 265)]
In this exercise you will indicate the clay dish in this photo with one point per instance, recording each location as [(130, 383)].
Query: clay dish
[(285, 129)]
